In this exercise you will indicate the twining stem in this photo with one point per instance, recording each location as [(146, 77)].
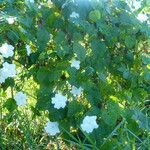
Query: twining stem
[(112, 133)]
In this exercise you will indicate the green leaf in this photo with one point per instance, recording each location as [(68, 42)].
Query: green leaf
[(42, 38), (98, 48), (142, 120), (130, 41), (95, 15), (43, 76), (111, 114), (94, 111), (125, 71), (9, 82), (146, 59), (60, 37), (62, 50), (43, 98), (74, 108), (57, 114), (13, 36), (80, 51), (10, 104), (35, 111), (146, 74), (92, 93)]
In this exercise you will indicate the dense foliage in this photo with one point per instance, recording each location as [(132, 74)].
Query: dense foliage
[(90, 63)]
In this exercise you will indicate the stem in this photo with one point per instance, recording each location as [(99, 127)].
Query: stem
[(112, 133), (135, 136), (12, 93)]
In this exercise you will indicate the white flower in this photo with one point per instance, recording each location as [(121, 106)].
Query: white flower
[(28, 49), (75, 63), (96, 0), (20, 98), (6, 50), (49, 2), (134, 5), (2, 77), (59, 101), (74, 15), (11, 19), (76, 91), (142, 17), (8, 70), (89, 124), (40, 6), (30, 1), (52, 128)]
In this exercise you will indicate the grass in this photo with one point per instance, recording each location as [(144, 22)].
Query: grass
[(22, 130), (19, 131)]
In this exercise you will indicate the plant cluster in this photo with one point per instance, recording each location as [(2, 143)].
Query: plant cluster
[(90, 61)]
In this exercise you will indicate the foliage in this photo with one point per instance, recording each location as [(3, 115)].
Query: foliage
[(112, 46)]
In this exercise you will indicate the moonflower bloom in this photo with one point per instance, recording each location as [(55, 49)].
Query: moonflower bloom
[(30, 1), (94, 0), (89, 124), (28, 49), (7, 50), (40, 6), (142, 17), (74, 15), (11, 20), (49, 2), (134, 5), (8, 70), (52, 128), (20, 99), (2, 77), (59, 101), (75, 63), (76, 91)]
